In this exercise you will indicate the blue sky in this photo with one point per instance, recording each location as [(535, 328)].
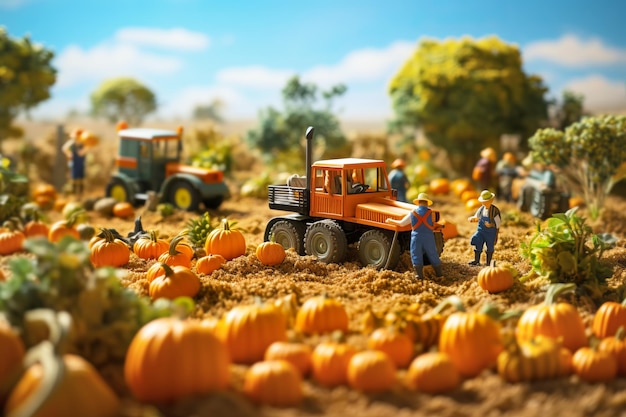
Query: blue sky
[(242, 52)]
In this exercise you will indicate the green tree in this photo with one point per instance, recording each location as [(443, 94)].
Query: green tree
[(211, 111), (590, 156), (465, 93), (123, 99), (570, 109), (281, 135), (26, 75)]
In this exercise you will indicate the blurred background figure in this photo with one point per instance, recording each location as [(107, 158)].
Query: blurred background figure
[(76, 149), (398, 178), (484, 170), (506, 171)]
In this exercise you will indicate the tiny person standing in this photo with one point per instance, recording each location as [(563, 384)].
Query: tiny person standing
[(488, 218), (398, 179), (422, 220), (76, 152)]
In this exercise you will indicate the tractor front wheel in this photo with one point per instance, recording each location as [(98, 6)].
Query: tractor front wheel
[(120, 191), (184, 196), (375, 248), (326, 241), (290, 234)]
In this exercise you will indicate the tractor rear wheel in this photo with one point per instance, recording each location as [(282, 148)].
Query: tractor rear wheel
[(120, 191), (184, 196), (375, 248), (289, 234), (326, 241)]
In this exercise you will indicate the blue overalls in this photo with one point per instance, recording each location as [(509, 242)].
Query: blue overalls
[(485, 235), (423, 238)]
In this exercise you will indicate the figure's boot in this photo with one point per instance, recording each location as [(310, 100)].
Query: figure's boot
[(419, 271), (476, 260), (438, 271), (489, 256)]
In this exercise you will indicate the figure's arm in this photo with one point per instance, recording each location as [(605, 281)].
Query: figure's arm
[(402, 222)]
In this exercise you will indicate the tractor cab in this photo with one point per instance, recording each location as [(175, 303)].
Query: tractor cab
[(149, 160)]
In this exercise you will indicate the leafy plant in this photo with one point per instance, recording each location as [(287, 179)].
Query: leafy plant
[(13, 191), (60, 277), (566, 250), (590, 156)]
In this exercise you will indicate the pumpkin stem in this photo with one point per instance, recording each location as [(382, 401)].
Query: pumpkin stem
[(174, 243), (620, 333), (557, 289), (169, 272), (453, 301)]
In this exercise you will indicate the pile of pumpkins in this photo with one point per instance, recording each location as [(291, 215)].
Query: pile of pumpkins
[(173, 358)]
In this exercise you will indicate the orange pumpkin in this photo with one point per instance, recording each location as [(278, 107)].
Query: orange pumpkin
[(123, 209), (616, 345), (276, 383), (396, 345), (593, 365), (174, 256), (230, 243), (248, 330), (44, 192), (371, 371), (330, 361), (170, 349), (150, 246), (494, 279), (321, 315), (109, 251), (433, 373), (468, 195), (36, 227), (608, 318), (209, 263), (472, 204), (552, 319), (270, 253), (439, 186), (298, 354), (459, 185), (177, 281), (471, 339), (62, 228), (449, 230), (11, 352), (11, 240)]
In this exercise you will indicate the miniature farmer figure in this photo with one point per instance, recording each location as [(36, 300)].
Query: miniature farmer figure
[(398, 179), (76, 152), (488, 218), (422, 220), (507, 171), (484, 169)]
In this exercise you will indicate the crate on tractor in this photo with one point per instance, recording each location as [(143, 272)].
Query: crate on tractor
[(149, 161), (339, 202)]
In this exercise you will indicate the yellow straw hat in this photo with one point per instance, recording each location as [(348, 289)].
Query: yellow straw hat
[(423, 197)]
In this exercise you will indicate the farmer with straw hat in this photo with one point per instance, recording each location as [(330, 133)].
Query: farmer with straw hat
[(398, 178), (488, 218), (422, 220)]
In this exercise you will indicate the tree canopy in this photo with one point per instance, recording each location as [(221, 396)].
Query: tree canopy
[(465, 93), (589, 155), (281, 134), (123, 99), (26, 76)]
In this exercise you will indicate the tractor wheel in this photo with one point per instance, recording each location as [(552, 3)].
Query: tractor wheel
[(375, 248), (213, 202), (326, 241), (183, 196), (289, 234), (120, 191)]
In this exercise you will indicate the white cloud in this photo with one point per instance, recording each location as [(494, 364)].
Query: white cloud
[(571, 51), (600, 93), (13, 4), (254, 76), (184, 101), (76, 65), (177, 38), (363, 65)]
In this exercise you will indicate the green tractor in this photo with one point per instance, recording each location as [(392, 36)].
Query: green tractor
[(149, 160)]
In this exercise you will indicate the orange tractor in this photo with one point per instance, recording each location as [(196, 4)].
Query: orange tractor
[(339, 202), (149, 160)]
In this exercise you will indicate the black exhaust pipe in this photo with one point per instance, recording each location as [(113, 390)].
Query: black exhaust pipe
[(309, 156)]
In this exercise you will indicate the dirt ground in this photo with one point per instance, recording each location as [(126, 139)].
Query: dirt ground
[(243, 278)]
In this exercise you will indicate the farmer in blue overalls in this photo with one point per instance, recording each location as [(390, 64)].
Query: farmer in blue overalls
[(398, 179), (422, 220), (75, 151), (488, 218)]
